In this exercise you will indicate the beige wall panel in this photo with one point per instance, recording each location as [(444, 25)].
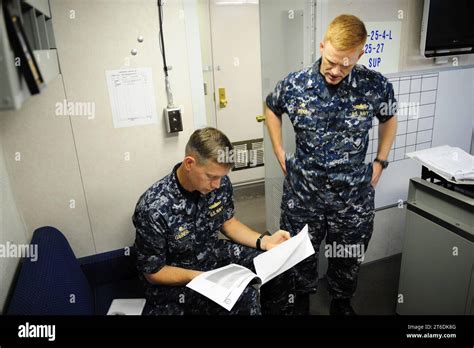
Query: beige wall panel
[(47, 176), (12, 229), (100, 38)]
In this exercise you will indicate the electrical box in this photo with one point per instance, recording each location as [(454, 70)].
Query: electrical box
[(174, 120)]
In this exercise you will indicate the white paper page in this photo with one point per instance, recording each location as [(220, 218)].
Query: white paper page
[(127, 306), (223, 285), (449, 162), (284, 256), (132, 97)]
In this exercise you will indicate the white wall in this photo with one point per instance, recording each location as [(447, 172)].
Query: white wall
[(12, 229), (68, 158), (41, 158)]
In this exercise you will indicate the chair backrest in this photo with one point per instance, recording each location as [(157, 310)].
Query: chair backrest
[(54, 284)]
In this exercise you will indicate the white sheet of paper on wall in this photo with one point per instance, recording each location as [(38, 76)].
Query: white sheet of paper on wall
[(382, 49), (132, 97)]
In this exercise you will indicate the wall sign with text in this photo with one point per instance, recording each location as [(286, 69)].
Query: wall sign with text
[(382, 49)]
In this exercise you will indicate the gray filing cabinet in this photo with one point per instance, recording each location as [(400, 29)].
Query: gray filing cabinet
[(437, 270)]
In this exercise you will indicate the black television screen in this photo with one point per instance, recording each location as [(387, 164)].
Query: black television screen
[(449, 26)]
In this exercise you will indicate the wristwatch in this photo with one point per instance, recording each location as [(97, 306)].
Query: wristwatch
[(382, 162), (259, 240)]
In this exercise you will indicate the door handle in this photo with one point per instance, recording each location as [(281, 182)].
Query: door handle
[(222, 98), (260, 118)]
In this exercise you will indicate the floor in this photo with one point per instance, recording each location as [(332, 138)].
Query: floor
[(376, 293), (378, 281)]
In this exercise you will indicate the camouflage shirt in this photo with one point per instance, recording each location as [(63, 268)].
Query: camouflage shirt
[(332, 132), (175, 230)]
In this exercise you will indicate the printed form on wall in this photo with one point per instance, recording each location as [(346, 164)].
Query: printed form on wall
[(132, 97)]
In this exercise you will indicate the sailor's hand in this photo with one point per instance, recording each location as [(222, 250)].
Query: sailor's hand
[(376, 174), (269, 242)]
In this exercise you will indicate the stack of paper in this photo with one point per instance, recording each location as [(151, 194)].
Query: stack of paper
[(452, 163)]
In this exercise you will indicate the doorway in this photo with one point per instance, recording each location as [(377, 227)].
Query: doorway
[(231, 69)]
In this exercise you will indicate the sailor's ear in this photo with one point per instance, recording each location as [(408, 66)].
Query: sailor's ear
[(189, 162)]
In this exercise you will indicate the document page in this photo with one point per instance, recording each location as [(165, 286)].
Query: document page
[(284, 256), (453, 163), (223, 285)]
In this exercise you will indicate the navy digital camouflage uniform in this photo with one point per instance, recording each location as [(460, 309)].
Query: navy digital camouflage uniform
[(178, 228), (328, 182)]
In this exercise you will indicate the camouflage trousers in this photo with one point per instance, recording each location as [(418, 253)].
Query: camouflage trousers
[(346, 228), (179, 300)]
